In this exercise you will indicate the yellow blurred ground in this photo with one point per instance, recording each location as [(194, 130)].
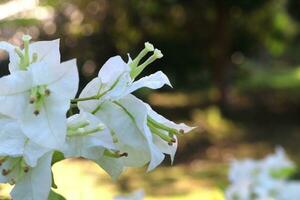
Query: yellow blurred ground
[(82, 180)]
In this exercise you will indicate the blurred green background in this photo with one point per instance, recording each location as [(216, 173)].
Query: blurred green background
[(234, 66)]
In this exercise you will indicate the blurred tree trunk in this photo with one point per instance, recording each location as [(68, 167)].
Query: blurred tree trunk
[(221, 51)]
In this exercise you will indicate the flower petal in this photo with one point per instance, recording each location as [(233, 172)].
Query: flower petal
[(138, 110), (91, 89), (15, 83), (12, 140), (78, 145), (36, 184), (47, 51), (157, 117), (131, 139), (13, 106), (47, 129), (154, 81), (33, 152), (64, 76), (13, 93), (113, 166), (4, 120), (67, 84), (112, 70), (165, 147)]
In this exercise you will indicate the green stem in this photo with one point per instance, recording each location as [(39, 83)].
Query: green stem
[(85, 99), (163, 136), (162, 126)]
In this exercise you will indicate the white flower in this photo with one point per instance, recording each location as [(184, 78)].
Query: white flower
[(141, 132), (129, 137), (36, 184), (291, 190), (47, 51), (88, 137), (262, 179), (23, 163), (39, 97), (15, 144), (116, 80), (278, 164), (241, 191), (105, 95), (159, 124), (243, 170)]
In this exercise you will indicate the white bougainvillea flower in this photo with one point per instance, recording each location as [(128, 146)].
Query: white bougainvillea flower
[(163, 131), (88, 137), (39, 98), (275, 163), (36, 183), (128, 136), (23, 163), (263, 179), (15, 144), (241, 191), (116, 79), (291, 190), (148, 135), (162, 128), (47, 51)]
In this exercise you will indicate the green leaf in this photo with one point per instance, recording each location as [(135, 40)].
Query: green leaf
[(57, 156), (53, 181), (55, 196), (283, 173)]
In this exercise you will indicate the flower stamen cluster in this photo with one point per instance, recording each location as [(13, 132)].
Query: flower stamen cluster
[(136, 67)]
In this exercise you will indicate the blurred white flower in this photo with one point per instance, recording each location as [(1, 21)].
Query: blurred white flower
[(264, 179)]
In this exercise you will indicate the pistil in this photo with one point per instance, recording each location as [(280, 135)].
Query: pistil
[(148, 48), (37, 97), (136, 69)]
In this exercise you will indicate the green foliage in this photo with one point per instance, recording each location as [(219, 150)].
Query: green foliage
[(55, 196), (283, 173)]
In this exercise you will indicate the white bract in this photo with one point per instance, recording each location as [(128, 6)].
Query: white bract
[(88, 137), (23, 163), (38, 94), (47, 51), (107, 97), (153, 134), (116, 80), (113, 128), (264, 179)]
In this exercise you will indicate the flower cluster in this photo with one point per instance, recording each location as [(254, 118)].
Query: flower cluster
[(112, 128), (264, 179)]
